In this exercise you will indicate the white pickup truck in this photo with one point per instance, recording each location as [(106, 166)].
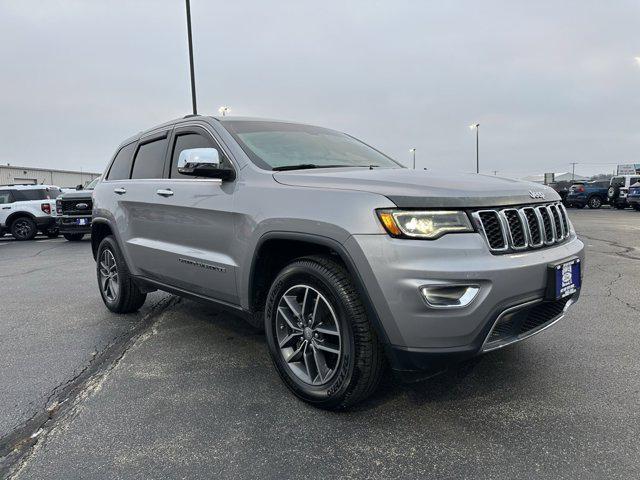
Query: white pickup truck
[(27, 209)]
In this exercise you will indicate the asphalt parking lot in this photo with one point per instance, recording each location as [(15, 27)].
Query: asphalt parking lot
[(182, 390)]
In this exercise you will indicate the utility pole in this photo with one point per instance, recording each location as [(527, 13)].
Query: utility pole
[(193, 76), (413, 151), (495, 172), (573, 170)]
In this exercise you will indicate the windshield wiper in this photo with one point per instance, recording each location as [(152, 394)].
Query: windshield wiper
[(304, 166)]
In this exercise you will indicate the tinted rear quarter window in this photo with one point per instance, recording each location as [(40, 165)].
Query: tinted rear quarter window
[(31, 194), (121, 166), (149, 161), (617, 182)]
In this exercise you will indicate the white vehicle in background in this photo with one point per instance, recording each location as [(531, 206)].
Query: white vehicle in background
[(619, 189), (27, 209)]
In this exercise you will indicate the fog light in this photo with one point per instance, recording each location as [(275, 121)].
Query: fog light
[(449, 296)]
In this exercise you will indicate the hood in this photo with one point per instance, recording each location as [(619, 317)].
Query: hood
[(77, 195), (423, 189)]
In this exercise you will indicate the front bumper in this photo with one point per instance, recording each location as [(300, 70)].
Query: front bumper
[(420, 336), (69, 224)]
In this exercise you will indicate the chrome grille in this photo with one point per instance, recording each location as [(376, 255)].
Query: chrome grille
[(521, 228)]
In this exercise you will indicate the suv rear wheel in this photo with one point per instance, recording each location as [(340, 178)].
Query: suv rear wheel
[(320, 340), (119, 293), (595, 202), (24, 228)]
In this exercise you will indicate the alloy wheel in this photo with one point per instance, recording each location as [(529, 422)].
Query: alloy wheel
[(22, 228), (109, 283), (308, 335)]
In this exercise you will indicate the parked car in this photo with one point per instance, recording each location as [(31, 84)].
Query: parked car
[(27, 209), (619, 188), (562, 188), (74, 212), (592, 194), (347, 259), (633, 197)]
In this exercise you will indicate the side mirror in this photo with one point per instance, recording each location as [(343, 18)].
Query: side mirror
[(79, 187), (203, 162)]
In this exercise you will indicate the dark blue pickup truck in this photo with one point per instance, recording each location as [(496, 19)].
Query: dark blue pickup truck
[(593, 194)]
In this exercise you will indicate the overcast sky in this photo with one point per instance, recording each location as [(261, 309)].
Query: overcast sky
[(550, 82)]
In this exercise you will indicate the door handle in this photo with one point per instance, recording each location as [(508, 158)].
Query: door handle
[(164, 192), (119, 191), (6, 208)]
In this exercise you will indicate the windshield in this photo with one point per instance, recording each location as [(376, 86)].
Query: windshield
[(278, 145), (93, 184)]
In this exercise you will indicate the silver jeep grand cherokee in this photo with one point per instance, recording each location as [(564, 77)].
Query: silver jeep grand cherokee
[(348, 260)]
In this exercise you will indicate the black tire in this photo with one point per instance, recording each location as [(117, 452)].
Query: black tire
[(636, 206), (594, 202), (359, 368), (73, 237), (579, 206), (128, 298), (24, 228), (52, 233), (620, 206)]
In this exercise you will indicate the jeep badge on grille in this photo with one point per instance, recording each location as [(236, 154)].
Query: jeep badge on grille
[(533, 194), (82, 206)]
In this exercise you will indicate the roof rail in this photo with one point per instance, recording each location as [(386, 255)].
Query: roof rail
[(23, 185)]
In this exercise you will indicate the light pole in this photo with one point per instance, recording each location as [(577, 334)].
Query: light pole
[(191, 69), (223, 110), (476, 127), (413, 151)]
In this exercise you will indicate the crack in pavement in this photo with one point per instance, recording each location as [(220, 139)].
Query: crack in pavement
[(609, 287), (17, 445), (626, 250)]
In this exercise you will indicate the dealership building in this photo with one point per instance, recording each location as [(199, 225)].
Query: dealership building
[(30, 175)]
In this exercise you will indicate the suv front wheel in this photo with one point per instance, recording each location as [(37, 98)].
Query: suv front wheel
[(319, 337), (119, 293)]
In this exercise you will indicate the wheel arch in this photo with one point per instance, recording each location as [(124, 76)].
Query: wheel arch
[(275, 249), (15, 215), (99, 230)]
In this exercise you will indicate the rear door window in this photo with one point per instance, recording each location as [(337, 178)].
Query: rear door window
[(121, 166), (149, 161), (5, 197)]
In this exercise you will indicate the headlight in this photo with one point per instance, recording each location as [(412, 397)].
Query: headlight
[(424, 224)]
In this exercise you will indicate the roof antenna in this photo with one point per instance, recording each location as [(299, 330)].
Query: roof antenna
[(193, 78)]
